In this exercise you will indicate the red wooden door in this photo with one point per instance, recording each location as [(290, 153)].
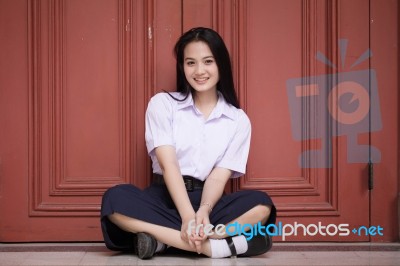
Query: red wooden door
[(73, 118)]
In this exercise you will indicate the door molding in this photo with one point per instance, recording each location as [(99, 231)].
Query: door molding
[(308, 184), (49, 182)]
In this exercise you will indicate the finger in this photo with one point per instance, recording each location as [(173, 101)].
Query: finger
[(201, 231), (184, 236), (198, 246), (200, 221), (192, 244), (198, 230), (194, 232), (203, 237), (196, 238)]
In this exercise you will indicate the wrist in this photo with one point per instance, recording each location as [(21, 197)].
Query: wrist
[(187, 216), (206, 206)]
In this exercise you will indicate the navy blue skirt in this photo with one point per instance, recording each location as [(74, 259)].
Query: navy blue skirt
[(154, 205)]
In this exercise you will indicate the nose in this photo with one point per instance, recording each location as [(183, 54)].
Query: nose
[(200, 69)]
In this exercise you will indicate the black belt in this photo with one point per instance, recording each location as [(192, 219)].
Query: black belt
[(191, 183)]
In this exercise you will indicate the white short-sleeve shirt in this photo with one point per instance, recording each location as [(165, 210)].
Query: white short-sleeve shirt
[(223, 140)]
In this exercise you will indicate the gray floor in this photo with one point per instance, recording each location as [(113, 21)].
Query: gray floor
[(281, 254)]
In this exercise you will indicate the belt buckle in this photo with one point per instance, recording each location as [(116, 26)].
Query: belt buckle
[(189, 184)]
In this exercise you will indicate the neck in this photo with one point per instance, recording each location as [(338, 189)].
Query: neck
[(206, 101)]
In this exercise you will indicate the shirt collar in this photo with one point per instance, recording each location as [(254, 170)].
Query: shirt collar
[(222, 107), (186, 103)]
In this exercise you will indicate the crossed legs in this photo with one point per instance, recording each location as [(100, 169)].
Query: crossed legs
[(172, 237)]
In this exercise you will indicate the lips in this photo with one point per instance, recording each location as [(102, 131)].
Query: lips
[(201, 80)]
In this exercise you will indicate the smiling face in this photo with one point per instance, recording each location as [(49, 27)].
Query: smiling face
[(201, 70)]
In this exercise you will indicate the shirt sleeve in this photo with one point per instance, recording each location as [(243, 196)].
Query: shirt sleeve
[(159, 122), (235, 156)]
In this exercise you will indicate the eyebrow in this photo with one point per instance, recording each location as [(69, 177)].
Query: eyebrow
[(189, 58)]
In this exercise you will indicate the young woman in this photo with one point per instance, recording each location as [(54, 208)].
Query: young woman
[(198, 138)]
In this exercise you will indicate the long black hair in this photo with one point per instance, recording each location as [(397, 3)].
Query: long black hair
[(220, 52)]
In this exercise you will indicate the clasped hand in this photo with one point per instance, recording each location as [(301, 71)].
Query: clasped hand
[(192, 229)]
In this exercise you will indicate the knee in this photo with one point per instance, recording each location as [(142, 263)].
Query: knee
[(112, 196), (262, 212), (263, 206), (116, 218), (111, 191)]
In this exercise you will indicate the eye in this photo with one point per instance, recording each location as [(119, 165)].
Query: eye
[(190, 63), (209, 61)]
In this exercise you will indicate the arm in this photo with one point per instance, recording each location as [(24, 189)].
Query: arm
[(212, 192), (214, 188), (166, 157)]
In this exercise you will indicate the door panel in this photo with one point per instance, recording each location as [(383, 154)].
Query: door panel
[(87, 99), (386, 61), (303, 175), (92, 68), (76, 137), (198, 13)]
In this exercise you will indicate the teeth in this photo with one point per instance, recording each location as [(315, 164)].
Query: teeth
[(201, 79)]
